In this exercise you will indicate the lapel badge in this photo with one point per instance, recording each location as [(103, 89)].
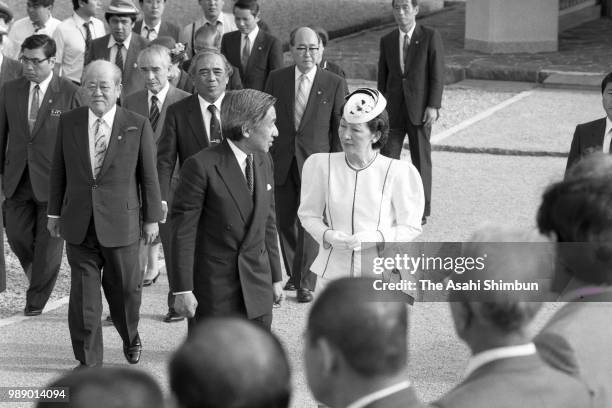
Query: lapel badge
[(319, 92), (135, 65), (119, 137), (259, 48)]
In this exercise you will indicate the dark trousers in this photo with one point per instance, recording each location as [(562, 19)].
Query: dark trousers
[(265, 321), (2, 264), (165, 231), (27, 235), (420, 153), (298, 248), (117, 270)]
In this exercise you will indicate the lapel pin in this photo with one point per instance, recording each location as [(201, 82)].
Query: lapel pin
[(135, 65), (119, 137), (50, 100), (259, 48), (319, 92)]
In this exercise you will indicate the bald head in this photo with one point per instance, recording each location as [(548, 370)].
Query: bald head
[(230, 363), (304, 43)]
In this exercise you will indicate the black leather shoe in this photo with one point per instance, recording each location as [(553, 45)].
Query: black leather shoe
[(132, 352), (108, 321), (304, 295), (172, 317), (31, 311), (289, 286)]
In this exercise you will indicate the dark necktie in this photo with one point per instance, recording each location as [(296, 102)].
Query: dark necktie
[(154, 112), (248, 172), (34, 106), (405, 51), (215, 127), (151, 34), (119, 56), (246, 53), (87, 40)]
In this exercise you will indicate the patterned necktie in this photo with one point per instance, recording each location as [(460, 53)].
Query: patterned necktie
[(34, 106), (248, 172), (99, 146), (87, 40), (301, 99), (405, 50), (119, 56), (215, 126), (154, 112), (151, 34), (246, 53)]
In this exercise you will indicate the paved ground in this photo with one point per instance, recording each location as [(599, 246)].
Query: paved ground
[(470, 189)]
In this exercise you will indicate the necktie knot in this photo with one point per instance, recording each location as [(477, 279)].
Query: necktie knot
[(119, 45), (154, 99), (151, 34)]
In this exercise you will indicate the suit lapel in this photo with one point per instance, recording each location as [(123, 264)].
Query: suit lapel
[(196, 121), (313, 98), (81, 140), (45, 106), (393, 50), (235, 52), (3, 68), (234, 180), (142, 107), (598, 133), (255, 50), (138, 27), (119, 125), (22, 105)]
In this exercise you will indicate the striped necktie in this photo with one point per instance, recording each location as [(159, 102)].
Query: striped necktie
[(301, 99), (248, 172), (119, 56), (99, 147), (154, 112)]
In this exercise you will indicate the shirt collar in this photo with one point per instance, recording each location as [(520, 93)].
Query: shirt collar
[(220, 19), (487, 356), (79, 20), (108, 117), (156, 28), (240, 155), (126, 43), (608, 125), (161, 95), (205, 104), (310, 74), (410, 32), (378, 395), (43, 85), (253, 34)]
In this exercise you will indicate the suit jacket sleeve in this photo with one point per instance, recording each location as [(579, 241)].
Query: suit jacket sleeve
[(4, 128), (341, 92), (276, 55), (166, 153), (271, 232), (383, 69), (436, 76), (190, 197), (574, 153), (147, 174), (57, 178)]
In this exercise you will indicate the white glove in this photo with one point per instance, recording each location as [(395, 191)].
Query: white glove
[(339, 239), (371, 237)]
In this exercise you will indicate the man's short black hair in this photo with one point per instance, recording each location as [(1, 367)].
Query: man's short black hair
[(251, 5), (415, 3), (607, 79), (40, 41), (370, 331), (42, 3)]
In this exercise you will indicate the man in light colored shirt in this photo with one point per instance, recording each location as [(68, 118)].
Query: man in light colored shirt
[(595, 136), (213, 15), (505, 368), (38, 21), (74, 35), (9, 47), (356, 347)]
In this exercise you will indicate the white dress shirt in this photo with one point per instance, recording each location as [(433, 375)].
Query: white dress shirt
[(607, 136), (10, 48), (70, 38), (498, 353), (161, 97), (23, 28), (401, 44), (206, 113), (225, 23), (310, 75), (43, 85), (241, 157), (380, 394), (252, 35), (107, 126), (145, 34), (124, 50)]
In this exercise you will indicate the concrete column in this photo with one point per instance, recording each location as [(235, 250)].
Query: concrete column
[(508, 26)]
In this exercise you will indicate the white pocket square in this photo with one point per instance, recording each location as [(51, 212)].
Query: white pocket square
[(268, 187)]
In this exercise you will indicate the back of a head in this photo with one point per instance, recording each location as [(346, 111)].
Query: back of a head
[(369, 328), (509, 255), (108, 388), (230, 363)]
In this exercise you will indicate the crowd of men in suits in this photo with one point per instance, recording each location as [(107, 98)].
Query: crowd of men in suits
[(193, 140)]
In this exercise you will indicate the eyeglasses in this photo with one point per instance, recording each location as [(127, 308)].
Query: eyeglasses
[(310, 50), (34, 61)]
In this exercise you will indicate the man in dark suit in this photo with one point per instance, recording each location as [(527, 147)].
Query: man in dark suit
[(153, 102), (9, 70), (30, 109), (103, 185), (505, 369), (255, 52), (120, 46), (575, 213), (152, 25), (595, 136), (349, 363), (191, 125), (230, 354), (309, 106), (411, 76), (224, 241)]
